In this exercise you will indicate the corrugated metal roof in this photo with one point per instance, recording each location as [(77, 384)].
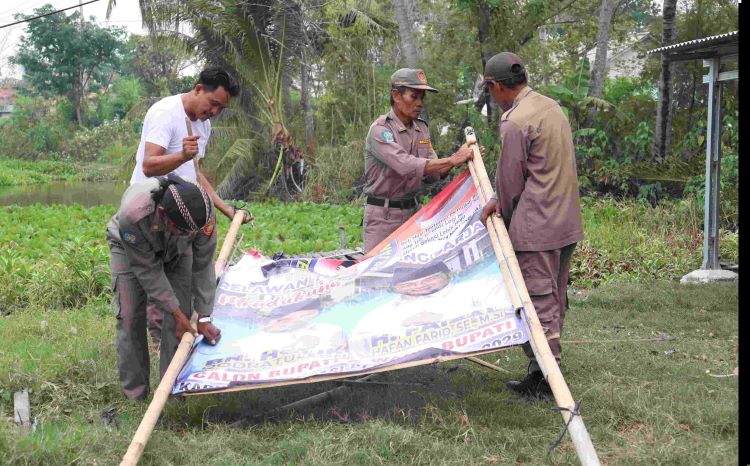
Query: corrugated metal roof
[(705, 41)]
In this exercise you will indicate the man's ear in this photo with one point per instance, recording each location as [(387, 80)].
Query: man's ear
[(198, 88)]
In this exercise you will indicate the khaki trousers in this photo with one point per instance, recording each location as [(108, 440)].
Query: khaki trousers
[(129, 306), (380, 222), (546, 276)]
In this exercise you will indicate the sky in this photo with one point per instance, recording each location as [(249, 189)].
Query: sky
[(125, 14)]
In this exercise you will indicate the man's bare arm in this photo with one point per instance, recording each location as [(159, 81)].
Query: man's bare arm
[(225, 208), (157, 163)]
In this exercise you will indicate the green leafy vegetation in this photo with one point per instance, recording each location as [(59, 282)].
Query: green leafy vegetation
[(55, 257)]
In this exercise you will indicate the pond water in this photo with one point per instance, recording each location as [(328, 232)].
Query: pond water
[(86, 193)]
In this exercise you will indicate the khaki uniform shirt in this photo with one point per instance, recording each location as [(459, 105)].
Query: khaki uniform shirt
[(150, 249), (537, 180), (395, 157)]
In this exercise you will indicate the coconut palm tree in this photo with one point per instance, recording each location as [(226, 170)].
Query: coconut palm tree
[(258, 42)]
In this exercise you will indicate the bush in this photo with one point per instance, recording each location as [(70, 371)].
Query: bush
[(337, 176), (124, 94), (36, 126), (90, 144)]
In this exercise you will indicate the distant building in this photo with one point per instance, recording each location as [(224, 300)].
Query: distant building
[(7, 100)]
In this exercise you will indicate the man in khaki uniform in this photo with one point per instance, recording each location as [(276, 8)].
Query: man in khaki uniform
[(161, 241), (537, 197), (399, 158)]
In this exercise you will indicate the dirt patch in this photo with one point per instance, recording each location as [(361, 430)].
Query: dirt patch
[(636, 432), (395, 396)]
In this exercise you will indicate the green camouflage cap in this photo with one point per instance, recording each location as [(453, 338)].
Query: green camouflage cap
[(411, 77), (503, 66)]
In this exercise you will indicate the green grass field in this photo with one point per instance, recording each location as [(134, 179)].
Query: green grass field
[(19, 172), (651, 402), (643, 402)]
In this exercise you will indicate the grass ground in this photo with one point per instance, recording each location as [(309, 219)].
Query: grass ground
[(643, 402), (18, 172)]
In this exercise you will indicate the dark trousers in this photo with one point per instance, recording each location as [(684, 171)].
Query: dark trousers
[(546, 275), (154, 316), (130, 309)]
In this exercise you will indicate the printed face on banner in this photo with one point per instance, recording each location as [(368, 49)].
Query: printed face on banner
[(433, 290)]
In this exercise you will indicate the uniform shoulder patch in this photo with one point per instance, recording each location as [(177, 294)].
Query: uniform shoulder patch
[(128, 236), (388, 136), (208, 228)]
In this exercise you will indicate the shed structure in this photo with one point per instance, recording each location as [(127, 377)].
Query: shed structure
[(716, 52)]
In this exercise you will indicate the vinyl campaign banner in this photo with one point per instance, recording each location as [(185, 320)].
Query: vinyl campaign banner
[(433, 290)]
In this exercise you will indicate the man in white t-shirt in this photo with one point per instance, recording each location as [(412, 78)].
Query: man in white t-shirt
[(166, 147)]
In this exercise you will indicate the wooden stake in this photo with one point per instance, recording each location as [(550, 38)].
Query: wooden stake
[(146, 427), (521, 300), (22, 408), (486, 364)]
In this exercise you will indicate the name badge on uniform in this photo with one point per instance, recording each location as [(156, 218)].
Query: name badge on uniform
[(388, 136)]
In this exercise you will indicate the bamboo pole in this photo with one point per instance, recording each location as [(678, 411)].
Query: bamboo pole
[(226, 248), (146, 427), (521, 300)]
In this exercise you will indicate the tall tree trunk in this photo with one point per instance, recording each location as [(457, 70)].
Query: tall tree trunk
[(662, 132), (77, 96), (487, 50), (405, 11), (307, 108), (598, 72)]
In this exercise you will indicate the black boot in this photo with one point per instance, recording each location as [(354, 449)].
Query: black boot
[(533, 388)]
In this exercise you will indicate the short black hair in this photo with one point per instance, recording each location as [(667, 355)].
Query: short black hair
[(213, 77), (400, 89)]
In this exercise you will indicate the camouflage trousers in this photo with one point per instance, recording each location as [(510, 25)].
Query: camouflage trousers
[(129, 306), (546, 276), (379, 222)]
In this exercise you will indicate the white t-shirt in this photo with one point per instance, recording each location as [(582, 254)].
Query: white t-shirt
[(164, 125)]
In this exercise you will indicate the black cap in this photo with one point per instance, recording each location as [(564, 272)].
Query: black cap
[(503, 66), (186, 204)]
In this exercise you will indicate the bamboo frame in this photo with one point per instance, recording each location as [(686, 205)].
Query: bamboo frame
[(146, 427), (522, 301)]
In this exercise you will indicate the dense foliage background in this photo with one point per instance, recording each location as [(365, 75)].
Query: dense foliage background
[(314, 75)]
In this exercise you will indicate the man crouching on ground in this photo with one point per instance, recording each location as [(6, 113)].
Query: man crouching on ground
[(162, 242)]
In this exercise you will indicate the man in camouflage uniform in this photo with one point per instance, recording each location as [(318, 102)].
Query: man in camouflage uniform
[(399, 158), (537, 197), (162, 241)]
